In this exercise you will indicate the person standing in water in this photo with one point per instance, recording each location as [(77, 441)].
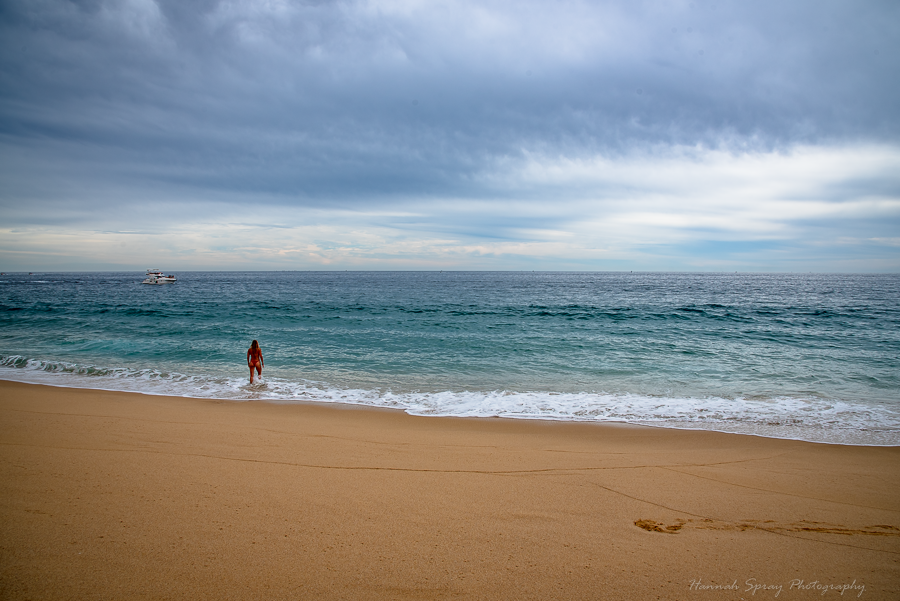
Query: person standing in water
[(255, 359)]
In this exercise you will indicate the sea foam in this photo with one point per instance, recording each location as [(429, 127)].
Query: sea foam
[(811, 419)]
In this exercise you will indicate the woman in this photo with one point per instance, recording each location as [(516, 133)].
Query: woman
[(255, 359)]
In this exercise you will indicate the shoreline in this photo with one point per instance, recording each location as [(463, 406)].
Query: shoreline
[(127, 495), (276, 401)]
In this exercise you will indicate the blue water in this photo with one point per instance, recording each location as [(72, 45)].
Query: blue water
[(812, 357)]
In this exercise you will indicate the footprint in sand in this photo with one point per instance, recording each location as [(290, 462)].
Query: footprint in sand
[(769, 525), (654, 526)]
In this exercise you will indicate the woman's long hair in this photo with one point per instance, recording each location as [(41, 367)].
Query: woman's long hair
[(254, 344)]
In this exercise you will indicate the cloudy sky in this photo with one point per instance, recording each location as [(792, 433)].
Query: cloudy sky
[(709, 135)]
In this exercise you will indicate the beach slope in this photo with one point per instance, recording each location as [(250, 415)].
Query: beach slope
[(114, 495)]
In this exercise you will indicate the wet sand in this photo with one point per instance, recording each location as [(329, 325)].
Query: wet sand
[(110, 495)]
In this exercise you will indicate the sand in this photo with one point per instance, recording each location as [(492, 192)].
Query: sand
[(110, 495)]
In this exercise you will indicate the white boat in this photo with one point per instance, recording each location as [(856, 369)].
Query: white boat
[(155, 276)]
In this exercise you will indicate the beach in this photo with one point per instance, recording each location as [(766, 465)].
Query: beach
[(129, 496)]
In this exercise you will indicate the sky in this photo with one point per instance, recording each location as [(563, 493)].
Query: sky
[(701, 135)]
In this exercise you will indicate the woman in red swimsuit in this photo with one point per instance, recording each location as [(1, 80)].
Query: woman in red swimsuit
[(255, 359)]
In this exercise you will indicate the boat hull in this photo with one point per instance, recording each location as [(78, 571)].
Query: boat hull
[(156, 277)]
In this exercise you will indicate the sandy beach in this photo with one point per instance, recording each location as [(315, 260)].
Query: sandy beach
[(112, 495)]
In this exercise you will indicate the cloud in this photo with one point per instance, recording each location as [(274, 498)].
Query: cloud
[(691, 208), (576, 135)]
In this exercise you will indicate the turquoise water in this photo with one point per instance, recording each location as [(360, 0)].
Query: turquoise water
[(814, 357)]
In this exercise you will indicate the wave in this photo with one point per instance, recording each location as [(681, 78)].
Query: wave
[(811, 419)]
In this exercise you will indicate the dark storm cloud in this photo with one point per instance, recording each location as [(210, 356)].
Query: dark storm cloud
[(325, 102)]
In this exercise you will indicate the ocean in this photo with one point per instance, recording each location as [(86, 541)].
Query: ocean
[(812, 357)]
